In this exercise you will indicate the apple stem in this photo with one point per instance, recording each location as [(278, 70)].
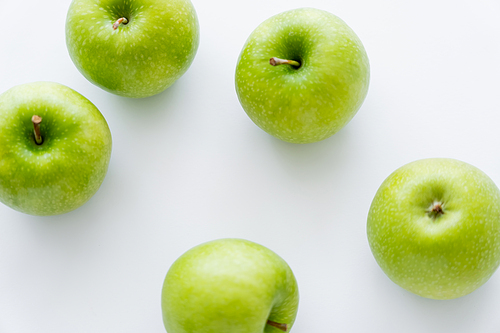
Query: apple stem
[(279, 326), (36, 120), (118, 22), (277, 61)]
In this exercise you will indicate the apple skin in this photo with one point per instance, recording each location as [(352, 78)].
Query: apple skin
[(445, 257), (138, 59), (316, 100), (63, 172), (229, 286)]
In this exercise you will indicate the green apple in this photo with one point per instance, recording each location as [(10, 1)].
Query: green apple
[(55, 148), (302, 75), (132, 48), (434, 228), (229, 286)]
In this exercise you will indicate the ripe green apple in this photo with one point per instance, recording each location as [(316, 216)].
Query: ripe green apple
[(302, 75), (229, 286), (132, 48), (434, 228), (55, 148)]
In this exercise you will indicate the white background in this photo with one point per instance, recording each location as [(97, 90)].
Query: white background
[(189, 166)]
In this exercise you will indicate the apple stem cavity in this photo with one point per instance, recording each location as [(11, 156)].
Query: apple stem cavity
[(279, 326), (36, 120), (435, 210), (119, 21), (277, 61)]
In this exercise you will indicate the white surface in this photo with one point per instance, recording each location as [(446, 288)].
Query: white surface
[(188, 166)]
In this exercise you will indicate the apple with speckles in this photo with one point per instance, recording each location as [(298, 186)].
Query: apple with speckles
[(55, 148), (132, 48), (434, 228), (228, 286), (302, 75)]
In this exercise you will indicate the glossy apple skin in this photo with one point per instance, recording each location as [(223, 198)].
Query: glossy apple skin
[(63, 172), (442, 258), (315, 101), (229, 286), (139, 59)]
